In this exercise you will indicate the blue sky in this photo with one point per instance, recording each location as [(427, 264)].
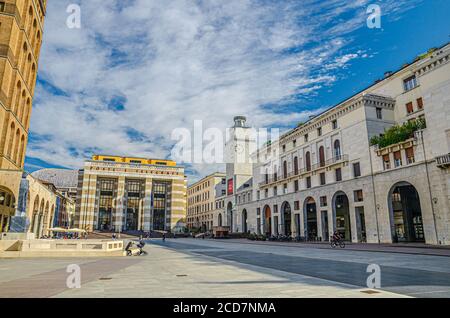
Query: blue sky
[(136, 70)]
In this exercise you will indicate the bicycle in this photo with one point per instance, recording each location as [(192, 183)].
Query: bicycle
[(335, 244)]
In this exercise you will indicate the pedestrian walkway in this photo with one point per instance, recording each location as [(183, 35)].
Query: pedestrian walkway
[(167, 273)]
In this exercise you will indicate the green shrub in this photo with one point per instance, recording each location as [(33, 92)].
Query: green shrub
[(397, 134)]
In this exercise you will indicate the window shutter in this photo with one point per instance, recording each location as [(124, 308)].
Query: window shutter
[(409, 152), (420, 103), (409, 108)]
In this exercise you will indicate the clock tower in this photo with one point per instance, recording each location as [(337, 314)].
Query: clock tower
[(241, 142)]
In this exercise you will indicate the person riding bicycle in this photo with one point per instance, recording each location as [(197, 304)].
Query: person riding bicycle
[(336, 237)]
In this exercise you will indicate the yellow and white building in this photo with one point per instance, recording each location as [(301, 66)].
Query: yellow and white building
[(130, 194), (21, 33), (201, 200)]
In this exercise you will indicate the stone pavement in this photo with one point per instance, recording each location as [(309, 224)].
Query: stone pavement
[(165, 272)]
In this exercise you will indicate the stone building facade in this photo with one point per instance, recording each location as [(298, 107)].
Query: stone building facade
[(326, 175), (131, 194), (201, 201), (21, 30)]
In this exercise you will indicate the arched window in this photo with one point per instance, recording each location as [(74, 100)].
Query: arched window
[(337, 149), (308, 161), (295, 165), (27, 113), (22, 149), (22, 103), (16, 100), (16, 145), (11, 139), (38, 43), (322, 156)]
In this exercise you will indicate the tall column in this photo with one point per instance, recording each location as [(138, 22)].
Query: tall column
[(87, 215), (148, 205), (120, 206)]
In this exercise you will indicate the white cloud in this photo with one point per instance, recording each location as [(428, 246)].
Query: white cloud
[(179, 61)]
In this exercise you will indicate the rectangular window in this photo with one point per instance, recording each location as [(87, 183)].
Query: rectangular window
[(323, 201), (296, 205), (275, 209), (275, 191), (338, 174), (285, 190), (409, 108), (306, 138), (308, 182), (379, 113), (258, 195), (296, 188), (410, 83), (335, 124), (358, 196), (284, 148), (420, 103), (294, 142), (322, 179), (356, 170), (319, 131), (397, 159), (266, 193), (410, 155), (386, 162), (2, 6)]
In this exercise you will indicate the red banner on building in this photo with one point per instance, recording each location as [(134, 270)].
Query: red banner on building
[(230, 186)]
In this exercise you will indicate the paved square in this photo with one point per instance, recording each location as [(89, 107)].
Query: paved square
[(204, 268)]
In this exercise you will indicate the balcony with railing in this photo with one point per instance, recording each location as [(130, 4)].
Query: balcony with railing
[(273, 179), (443, 161)]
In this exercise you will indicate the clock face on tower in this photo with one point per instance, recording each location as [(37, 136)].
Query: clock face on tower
[(239, 149)]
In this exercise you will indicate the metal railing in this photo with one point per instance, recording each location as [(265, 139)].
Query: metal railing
[(321, 165), (443, 161)]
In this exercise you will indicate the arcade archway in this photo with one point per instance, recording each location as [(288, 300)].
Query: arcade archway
[(341, 215), (287, 218), (267, 225), (405, 213), (244, 221), (310, 213)]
